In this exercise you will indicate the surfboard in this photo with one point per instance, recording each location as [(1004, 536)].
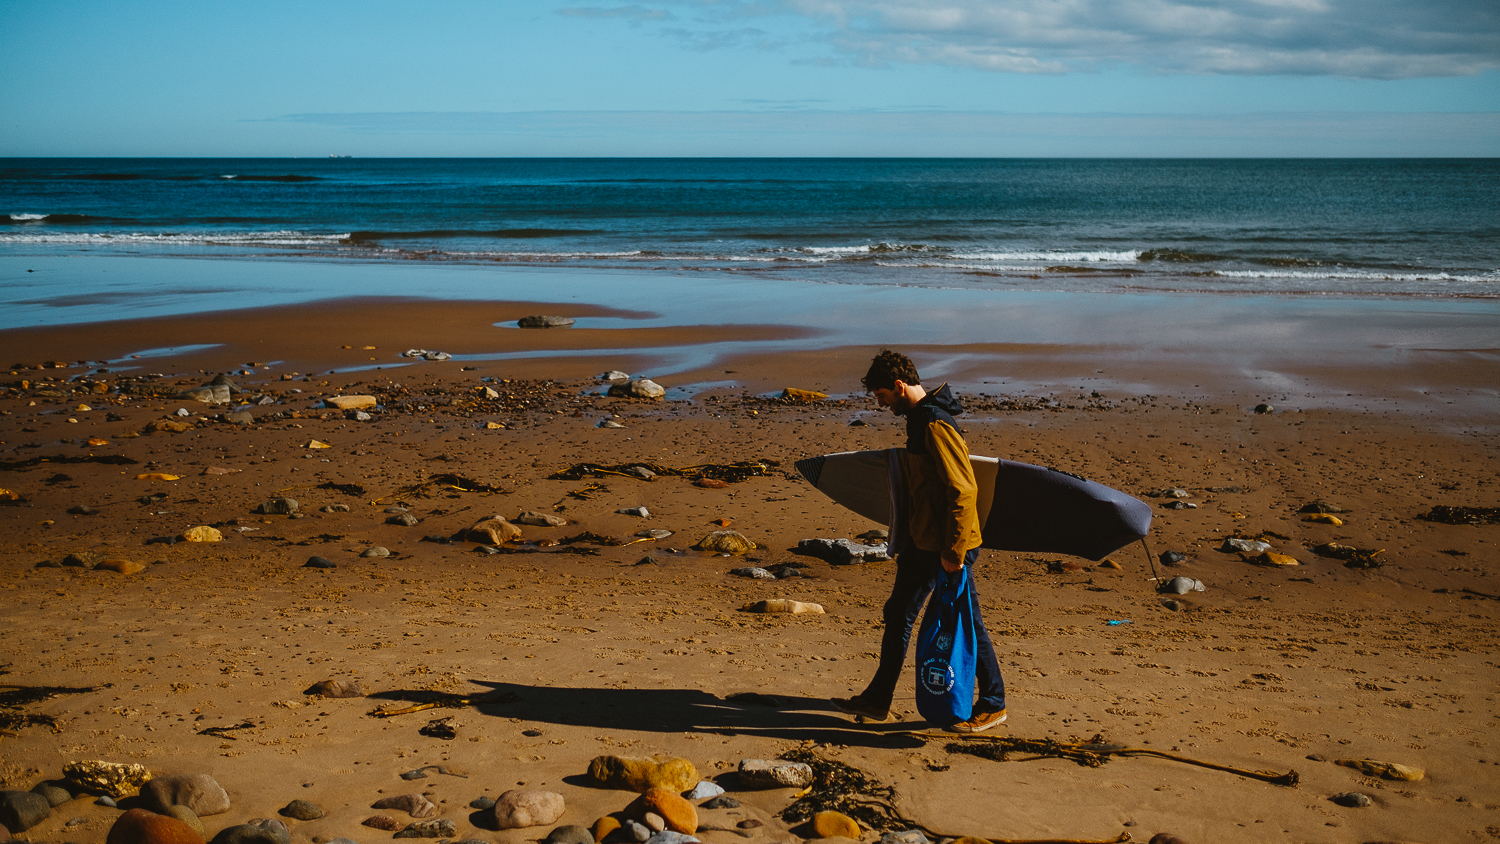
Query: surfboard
[(1021, 507)]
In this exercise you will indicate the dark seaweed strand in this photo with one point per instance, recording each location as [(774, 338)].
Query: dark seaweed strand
[(838, 787)]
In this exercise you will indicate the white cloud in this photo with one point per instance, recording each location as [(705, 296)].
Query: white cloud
[(1384, 39)]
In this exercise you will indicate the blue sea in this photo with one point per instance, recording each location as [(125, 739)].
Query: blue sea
[(1362, 228)]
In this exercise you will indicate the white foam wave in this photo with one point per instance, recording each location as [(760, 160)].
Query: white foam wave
[(26, 218), (1354, 275), (1081, 257), (277, 238)]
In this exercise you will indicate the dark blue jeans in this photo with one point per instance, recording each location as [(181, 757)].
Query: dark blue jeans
[(917, 573)]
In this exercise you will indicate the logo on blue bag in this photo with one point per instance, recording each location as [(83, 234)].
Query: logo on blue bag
[(944, 642), (936, 676)]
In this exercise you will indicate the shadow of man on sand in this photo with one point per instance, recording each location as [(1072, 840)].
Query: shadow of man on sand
[(676, 711)]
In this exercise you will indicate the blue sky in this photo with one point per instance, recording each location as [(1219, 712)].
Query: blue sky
[(750, 77)]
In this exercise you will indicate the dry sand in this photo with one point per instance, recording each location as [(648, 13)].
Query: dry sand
[(1270, 669)]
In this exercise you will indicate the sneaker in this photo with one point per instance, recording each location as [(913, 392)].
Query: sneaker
[(863, 708), (979, 722)]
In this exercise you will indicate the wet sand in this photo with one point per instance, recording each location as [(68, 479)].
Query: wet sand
[(1271, 669)]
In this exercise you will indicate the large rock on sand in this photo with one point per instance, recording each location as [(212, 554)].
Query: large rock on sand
[(520, 808), (22, 810), (492, 531), (199, 792), (139, 826), (640, 775), (679, 814)]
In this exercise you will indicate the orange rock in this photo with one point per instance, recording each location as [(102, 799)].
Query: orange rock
[(157, 476), (722, 522), (139, 826), (835, 825), (120, 566), (604, 826), (495, 531), (710, 483), (679, 814)]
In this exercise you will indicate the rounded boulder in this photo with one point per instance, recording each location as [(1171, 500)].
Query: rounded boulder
[(521, 808), (138, 826), (199, 792), (679, 814), (639, 775)]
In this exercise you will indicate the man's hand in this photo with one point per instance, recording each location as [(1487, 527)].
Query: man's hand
[(951, 562)]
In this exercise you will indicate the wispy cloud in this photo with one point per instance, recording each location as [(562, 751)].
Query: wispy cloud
[(1383, 39)]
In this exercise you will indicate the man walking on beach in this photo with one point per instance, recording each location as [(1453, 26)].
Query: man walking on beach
[(941, 534)]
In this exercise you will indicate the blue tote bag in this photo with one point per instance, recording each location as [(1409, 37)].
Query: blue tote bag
[(947, 651)]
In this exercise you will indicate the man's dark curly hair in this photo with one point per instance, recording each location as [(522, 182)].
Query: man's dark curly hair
[(887, 368)]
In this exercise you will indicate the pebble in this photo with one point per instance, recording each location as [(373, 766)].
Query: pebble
[(318, 563), (54, 794), (1353, 800), (637, 831), (1271, 558), (1181, 586), (22, 810), (640, 512), (653, 821), (763, 773), (1321, 506), (1180, 505), (640, 388), (385, 822), (106, 801), (641, 472), (911, 836), (570, 834), (1245, 546), (376, 551), (302, 810), (615, 375), (609, 423), (753, 572), (277, 507), (725, 542), (843, 551), (199, 792), (335, 508), (239, 417), (668, 836), (257, 831), (517, 809), (413, 804), (438, 828), (360, 416), (703, 790), (654, 533), (543, 321), (1264, 408), (1172, 558), (482, 803), (402, 519), (82, 510), (782, 605), (676, 811), (338, 687), (749, 823), (538, 519), (711, 483), (350, 402), (723, 801)]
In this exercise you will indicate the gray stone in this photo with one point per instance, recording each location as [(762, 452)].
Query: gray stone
[(703, 791), (654, 533), (543, 321), (302, 810), (1353, 800), (208, 394), (640, 512), (55, 794), (106, 800), (1180, 505), (22, 810), (654, 822), (753, 572), (482, 803), (723, 801), (239, 417), (668, 836), (641, 472), (911, 836), (377, 551), (615, 375), (640, 388), (439, 828), (1172, 558), (338, 687), (335, 508), (184, 814), (538, 519), (609, 423), (413, 804), (257, 831), (517, 809), (318, 563), (278, 507), (570, 834), (1245, 546), (403, 519), (843, 551), (1181, 586), (636, 831), (359, 416), (764, 773), (199, 792)]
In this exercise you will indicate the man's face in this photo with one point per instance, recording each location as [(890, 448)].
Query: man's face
[(894, 398)]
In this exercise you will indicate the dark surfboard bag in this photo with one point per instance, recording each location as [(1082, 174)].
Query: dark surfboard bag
[(1051, 511)]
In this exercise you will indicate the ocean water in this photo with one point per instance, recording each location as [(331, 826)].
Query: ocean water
[(1326, 227)]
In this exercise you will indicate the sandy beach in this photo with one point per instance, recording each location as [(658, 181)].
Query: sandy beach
[(639, 649)]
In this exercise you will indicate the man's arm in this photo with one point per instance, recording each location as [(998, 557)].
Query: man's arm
[(950, 456)]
